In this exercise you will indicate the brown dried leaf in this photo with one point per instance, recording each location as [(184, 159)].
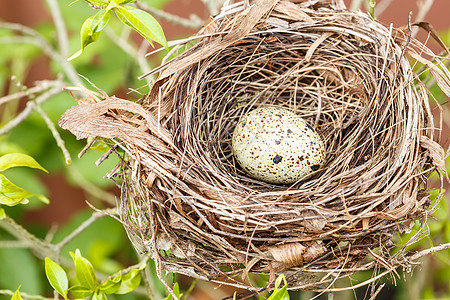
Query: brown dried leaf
[(246, 24), (293, 11), (90, 120), (290, 254), (436, 153)]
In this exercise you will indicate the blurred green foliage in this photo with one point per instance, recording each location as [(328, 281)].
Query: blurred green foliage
[(105, 243)]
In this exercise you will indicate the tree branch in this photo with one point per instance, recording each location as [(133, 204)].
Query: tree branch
[(47, 48), (60, 25), (24, 295), (40, 248), (94, 217), (31, 105)]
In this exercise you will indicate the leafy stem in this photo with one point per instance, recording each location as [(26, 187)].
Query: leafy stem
[(139, 20)]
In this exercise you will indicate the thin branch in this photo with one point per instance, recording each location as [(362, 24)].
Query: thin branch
[(424, 7), (59, 141), (60, 25), (47, 48), (41, 248), (382, 6), (40, 87), (429, 251), (24, 295), (356, 4), (190, 289), (50, 125), (213, 6), (14, 244), (146, 275), (30, 107), (130, 49), (94, 217), (91, 188)]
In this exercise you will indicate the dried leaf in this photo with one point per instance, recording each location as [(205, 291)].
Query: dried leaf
[(290, 254), (293, 11), (436, 153)]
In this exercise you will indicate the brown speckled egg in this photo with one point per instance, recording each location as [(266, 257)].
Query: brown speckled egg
[(275, 145)]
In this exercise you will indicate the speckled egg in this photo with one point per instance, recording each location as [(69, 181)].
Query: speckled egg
[(275, 145)]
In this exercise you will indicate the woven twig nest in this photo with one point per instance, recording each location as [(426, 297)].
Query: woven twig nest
[(186, 201)]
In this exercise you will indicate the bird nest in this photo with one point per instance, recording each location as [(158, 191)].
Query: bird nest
[(186, 201)]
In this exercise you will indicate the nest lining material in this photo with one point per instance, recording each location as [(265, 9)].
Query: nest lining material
[(186, 201)]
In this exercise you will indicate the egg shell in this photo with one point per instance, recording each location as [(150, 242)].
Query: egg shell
[(275, 145)]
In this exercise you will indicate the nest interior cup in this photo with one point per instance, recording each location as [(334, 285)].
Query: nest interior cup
[(185, 199)]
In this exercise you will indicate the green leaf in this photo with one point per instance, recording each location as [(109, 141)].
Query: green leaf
[(2, 213), (130, 282), (176, 291), (111, 286), (84, 271), (11, 194), (281, 294), (16, 295), (99, 295), (57, 277), (100, 20), (87, 36), (143, 23), (79, 292), (19, 160), (98, 2)]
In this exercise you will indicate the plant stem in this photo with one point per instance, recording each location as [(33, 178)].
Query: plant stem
[(94, 217), (31, 106), (24, 295), (372, 8), (60, 25), (46, 47), (40, 248)]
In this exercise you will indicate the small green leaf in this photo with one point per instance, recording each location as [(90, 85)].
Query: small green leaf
[(100, 20), (11, 194), (281, 294), (143, 23), (57, 277), (19, 160), (2, 213), (79, 292), (99, 145), (99, 295), (87, 36), (111, 286), (176, 291), (73, 2), (16, 295), (98, 2), (84, 271), (130, 282), (42, 198)]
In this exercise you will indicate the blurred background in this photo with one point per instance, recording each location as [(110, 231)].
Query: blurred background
[(113, 64)]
